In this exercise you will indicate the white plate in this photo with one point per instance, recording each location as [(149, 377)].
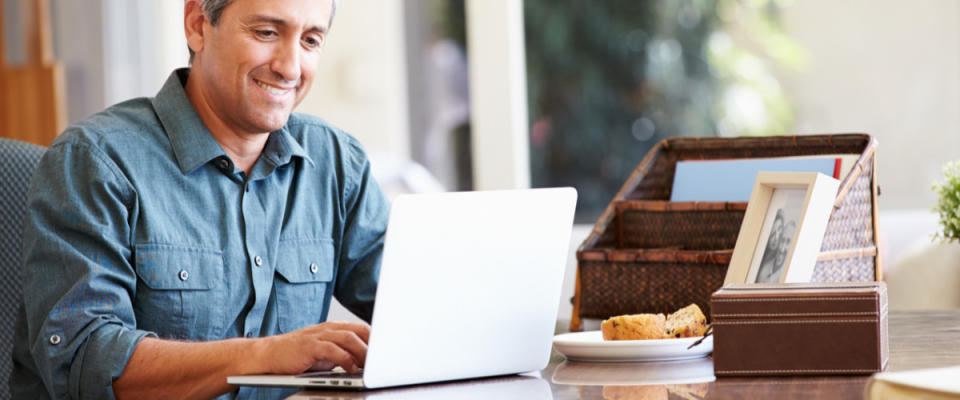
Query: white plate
[(590, 346), (683, 372)]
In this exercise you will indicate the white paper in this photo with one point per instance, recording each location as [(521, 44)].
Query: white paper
[(939, 379)]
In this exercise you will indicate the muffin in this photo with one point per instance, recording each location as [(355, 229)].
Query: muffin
[(686, 322), (634, 327)]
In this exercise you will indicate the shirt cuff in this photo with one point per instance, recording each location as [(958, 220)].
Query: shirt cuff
[(101, 360)]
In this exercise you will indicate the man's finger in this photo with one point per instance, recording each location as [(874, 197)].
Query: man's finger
[(331, 352), (362, 330), (350, 342), (323, 365)]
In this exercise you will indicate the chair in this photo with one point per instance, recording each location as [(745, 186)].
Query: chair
[(17, 163)]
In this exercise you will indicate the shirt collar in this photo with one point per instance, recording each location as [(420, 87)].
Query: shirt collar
[(191, 141), (282, 147)]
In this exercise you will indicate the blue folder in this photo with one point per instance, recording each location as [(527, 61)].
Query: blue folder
[(732, 180)]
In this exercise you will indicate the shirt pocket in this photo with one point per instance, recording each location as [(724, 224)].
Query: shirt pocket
[(305, 269), (180, 291)]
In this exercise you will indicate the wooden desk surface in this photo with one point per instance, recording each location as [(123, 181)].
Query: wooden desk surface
[(924, 339)]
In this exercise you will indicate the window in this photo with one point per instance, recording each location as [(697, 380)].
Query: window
[(608, 79)]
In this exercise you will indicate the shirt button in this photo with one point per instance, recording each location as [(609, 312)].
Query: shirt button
[(249, 334), (55, 339), (184, 274), (224, 164), (258, 261), (313, 268)]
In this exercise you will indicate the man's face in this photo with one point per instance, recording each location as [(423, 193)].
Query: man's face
[(259, 61)]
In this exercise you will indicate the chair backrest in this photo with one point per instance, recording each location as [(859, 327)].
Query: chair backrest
[(17, 163)]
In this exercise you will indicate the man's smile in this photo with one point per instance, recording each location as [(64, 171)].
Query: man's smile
[(273, 89)]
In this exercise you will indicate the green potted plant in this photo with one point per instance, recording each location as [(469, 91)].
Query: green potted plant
[(948, 203)]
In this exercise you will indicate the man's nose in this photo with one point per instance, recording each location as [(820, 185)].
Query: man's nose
[(286, 61)]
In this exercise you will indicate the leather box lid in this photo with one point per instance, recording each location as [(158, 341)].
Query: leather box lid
[(795, 299)]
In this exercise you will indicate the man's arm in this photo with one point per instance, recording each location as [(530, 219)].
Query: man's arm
[(361, 247), (185, 370), (77, 279)]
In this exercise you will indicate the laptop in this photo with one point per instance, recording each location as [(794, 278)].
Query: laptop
[(469, 287)]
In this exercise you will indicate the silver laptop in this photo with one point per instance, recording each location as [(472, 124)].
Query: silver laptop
[(469, 287)]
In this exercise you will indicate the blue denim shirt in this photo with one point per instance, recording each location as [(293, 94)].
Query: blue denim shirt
[(139, 224)]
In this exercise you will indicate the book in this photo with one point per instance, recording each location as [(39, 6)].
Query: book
[(934, 383), (732, 180)]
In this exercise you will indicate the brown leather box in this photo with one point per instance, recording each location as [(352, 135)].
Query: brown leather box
[(800, 329)]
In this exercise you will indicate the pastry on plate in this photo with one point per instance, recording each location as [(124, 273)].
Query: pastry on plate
[(634, 327), (685, 322)]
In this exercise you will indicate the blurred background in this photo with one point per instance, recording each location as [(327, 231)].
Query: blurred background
[(481, 94)]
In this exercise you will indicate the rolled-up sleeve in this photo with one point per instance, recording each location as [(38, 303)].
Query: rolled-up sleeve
[(77, 272), (367, 211)]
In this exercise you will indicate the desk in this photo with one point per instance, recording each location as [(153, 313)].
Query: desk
[(923, 339)]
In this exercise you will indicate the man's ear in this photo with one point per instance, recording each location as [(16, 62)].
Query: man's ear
[(193, 19)]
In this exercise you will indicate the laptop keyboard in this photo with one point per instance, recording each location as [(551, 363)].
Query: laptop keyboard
[(335, 374)]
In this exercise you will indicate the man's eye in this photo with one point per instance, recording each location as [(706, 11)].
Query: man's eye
[(311, 42), (265, 33)]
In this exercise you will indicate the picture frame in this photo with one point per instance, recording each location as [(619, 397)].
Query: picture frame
[(783, 228)]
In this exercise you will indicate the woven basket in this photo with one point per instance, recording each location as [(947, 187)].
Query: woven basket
[(649, 224), (646, 254)]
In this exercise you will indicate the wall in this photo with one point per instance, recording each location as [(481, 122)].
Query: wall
[(13, 44), (115, 50), (889, 68), (143, 42), (80, 50), (361, 84)]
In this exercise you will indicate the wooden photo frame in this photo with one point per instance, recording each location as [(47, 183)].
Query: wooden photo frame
[(783, 228)]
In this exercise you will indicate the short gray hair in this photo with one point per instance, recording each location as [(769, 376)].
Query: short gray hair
[(214, 8)]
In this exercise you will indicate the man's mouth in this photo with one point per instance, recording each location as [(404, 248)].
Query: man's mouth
[(276, 91)]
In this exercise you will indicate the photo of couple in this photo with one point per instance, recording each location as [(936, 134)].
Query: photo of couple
[(779, 230)]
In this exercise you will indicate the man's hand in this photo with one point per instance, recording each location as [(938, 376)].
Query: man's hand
[(198, 370), (318, 347)]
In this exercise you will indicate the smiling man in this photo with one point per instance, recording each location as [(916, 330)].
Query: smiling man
[(173, 241)]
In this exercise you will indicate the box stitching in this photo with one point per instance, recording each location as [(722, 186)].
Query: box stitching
[(768, 299), (792, 371), (794, 314), (829, 321)]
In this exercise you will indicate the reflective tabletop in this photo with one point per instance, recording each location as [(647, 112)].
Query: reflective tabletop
[(918, 339)]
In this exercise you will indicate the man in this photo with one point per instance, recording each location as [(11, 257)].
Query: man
[(174, 241)]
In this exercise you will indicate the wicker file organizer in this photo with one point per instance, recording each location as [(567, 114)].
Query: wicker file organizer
[(647, 254)]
